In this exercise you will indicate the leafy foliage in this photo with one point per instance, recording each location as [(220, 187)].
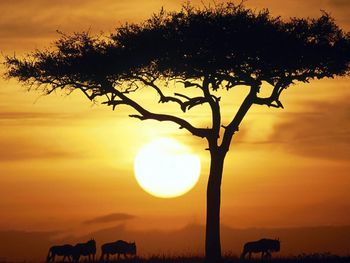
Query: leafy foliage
[(209, 48), (226, 40)]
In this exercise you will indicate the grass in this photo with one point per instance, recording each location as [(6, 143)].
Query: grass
[(303, 258)]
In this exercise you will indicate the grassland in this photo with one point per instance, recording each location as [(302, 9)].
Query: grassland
[(317, 258), (303, 258)]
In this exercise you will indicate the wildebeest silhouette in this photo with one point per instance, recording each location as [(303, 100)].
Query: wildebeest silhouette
[(118, 247), (85, 249), (65, 250), (265, 246)]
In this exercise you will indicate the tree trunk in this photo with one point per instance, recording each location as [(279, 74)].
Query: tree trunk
[(212, 239)]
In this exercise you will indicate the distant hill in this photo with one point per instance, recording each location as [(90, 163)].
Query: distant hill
[(20, 245)]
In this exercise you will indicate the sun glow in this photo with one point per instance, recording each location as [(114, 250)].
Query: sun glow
[(165, 168)]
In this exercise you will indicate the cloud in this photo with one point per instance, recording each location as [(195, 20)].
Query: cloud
[(31, 24), (11, 115), (19, 140), (13, 149), (114, 217), (41, 18), (339, 3), (321, 132)]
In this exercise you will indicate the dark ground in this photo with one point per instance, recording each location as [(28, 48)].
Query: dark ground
[(318, 258), (304, 258)]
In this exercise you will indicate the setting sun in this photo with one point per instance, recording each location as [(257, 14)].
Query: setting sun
[(165, 168)]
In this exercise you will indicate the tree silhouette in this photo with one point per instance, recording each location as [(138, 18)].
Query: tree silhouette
[(203, 49)]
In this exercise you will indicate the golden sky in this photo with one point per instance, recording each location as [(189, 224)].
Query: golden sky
[(65, 161)]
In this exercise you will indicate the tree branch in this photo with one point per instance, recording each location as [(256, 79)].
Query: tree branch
[(191, 102), (147, 115), (215, 109), (188, 84), (163, 98), (236, 121), (273, 100), (232, 81)]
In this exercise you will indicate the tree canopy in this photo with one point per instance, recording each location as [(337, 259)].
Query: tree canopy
[(228, 44)]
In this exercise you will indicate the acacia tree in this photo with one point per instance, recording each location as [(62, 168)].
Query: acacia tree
[(206, 49)]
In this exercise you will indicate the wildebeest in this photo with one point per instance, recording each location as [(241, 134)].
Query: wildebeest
[(65, 250), (118, 247), (265, 246), (85, 249)]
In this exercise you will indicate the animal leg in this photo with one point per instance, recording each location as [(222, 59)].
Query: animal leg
[(268, 255), (48, 258)]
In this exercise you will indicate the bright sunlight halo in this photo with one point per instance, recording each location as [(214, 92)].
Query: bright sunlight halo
[(165, 168)]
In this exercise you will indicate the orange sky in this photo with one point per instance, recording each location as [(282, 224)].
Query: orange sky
[(64, 161)]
